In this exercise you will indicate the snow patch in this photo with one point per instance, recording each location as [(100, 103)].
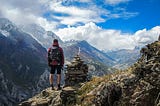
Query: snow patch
[(33, 37), (19, 67), (27, 68), (5, 33)]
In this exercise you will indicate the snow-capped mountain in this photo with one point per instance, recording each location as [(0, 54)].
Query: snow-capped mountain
[(22, 61), (45, 38), (88, 52)]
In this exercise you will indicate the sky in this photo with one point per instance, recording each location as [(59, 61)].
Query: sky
[(105, 24)]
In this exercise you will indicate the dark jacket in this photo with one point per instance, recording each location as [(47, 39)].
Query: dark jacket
[(50, 62)]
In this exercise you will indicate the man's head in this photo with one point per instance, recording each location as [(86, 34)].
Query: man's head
[(55, 42)]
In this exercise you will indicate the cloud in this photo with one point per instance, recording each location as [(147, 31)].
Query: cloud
[(23, 12), (88, 11), (105, 39), (76, 15), (69, 13), (115, 2), (18, 10), (144, 36)]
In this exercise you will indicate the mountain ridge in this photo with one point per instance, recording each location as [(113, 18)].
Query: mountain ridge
[(136, 86), (19, 53)]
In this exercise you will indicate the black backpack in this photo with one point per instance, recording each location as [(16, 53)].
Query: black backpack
[(55, 55)]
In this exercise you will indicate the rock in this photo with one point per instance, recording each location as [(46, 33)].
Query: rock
[(68, 96), (45, 98), (76, 72), (44, 93), (157, 102), (25, 103)]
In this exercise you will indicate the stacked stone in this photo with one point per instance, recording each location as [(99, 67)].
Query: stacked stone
[(76, 72)]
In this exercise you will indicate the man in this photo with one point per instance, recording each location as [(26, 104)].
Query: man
[(56, 62)]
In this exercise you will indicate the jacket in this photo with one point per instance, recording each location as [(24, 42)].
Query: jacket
[(52, 63)]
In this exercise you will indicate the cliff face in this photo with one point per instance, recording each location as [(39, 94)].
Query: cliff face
[(139, 85)]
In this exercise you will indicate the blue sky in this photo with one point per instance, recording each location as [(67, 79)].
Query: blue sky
[(147, 16), (105, 24)]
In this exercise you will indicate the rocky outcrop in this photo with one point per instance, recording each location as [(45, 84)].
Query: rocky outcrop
[(48, 97), (139, 85), (45, 98)]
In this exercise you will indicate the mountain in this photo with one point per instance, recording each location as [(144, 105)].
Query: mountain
[(22, 62), (87, 51), (99, 63), (124, 57), (23, 68), (118, 59), (45, 38), (136, 86)]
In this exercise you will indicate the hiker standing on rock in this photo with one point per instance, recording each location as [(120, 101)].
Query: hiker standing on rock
[(55, 62)]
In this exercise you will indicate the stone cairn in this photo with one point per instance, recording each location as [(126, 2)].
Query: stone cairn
[(159, 38), (76, 72)]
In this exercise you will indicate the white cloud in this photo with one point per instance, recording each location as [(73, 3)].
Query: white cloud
[(22, 12), (47, 25), (83, 1), (144, 36), (109, 39), (73, 15), (31, 11), (115, 2), (77, 14)]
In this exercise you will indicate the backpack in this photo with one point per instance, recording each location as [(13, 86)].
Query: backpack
[(55, 55)]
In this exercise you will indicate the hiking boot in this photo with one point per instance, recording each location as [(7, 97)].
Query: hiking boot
[(59, 87), (52, 87)]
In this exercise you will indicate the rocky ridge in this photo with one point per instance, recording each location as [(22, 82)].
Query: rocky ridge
[(138, 85)]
